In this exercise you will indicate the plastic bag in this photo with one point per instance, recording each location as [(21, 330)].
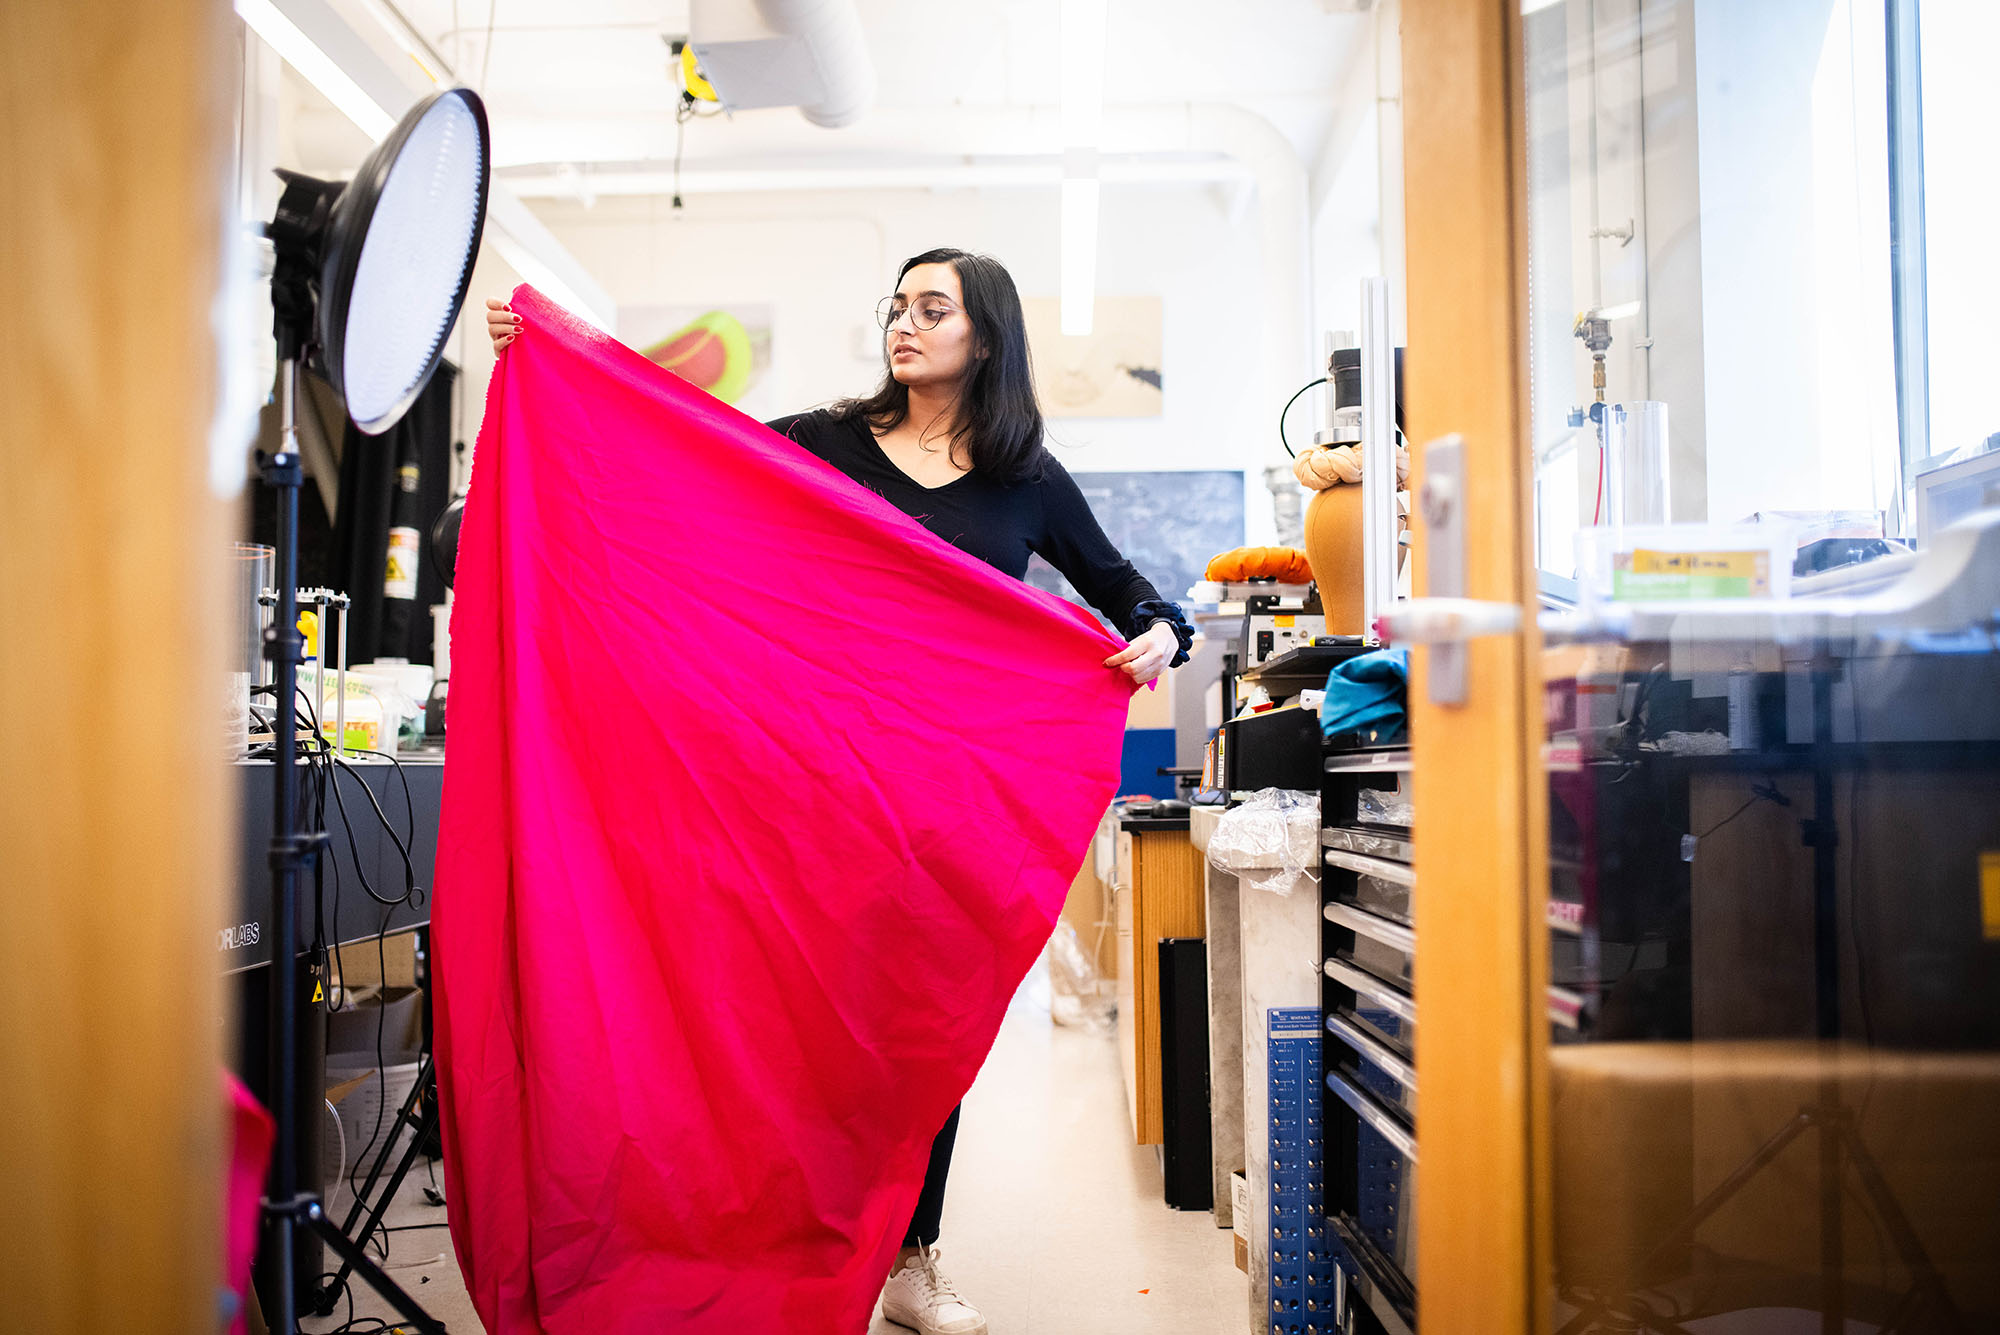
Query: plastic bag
[(1075, 999), (1271, 841), (1380, 808)]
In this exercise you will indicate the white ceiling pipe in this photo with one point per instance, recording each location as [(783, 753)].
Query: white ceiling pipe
[(566, 181), (1224, 130), (811, 54), (831, 31), (925, 132)]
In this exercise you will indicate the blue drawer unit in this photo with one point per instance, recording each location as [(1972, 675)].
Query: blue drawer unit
[(1305, 1282)]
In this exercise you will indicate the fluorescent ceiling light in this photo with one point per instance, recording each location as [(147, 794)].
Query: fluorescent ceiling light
[(1621, 312), (1535, 6), (318, 68), (1081, 47), (1079, 253)]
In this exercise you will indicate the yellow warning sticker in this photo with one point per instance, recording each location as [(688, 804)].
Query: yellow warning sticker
[(1989, 894), (319, 992), (1287, 621)]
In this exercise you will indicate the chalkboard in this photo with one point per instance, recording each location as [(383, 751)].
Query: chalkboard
[(1166, 524)]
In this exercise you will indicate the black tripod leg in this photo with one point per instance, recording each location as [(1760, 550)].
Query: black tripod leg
[(376, 1278), (331, 1293), (1637, 1317), (404, 1116), (1833, 1232), (1591, 1310), (1684, 1231), (1585, 1318), (1908, 1245)]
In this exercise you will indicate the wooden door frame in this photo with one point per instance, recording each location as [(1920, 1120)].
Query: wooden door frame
[(1484, 1236), (114, 800)]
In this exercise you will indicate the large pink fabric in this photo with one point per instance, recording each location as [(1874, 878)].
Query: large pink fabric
[(251, 1132), (761, 800)]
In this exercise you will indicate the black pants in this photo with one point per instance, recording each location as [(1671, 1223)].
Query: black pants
[(929, 1216)]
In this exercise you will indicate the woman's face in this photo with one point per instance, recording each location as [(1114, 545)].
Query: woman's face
[(938, 357)]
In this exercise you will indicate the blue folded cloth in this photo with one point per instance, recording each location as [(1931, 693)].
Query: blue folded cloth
[(1368, 695)]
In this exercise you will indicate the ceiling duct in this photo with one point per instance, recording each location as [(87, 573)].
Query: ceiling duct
[(809, 54)]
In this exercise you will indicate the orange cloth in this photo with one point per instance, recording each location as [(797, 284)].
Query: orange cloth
[(1287, 565)]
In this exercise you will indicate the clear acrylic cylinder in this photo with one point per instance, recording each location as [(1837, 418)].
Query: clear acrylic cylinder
[(255, 571), (1637, 487)]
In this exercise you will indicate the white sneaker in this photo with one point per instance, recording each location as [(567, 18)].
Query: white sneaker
[(919, 1296)]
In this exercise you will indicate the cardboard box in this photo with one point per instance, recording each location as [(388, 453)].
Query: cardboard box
[(393, 1015)]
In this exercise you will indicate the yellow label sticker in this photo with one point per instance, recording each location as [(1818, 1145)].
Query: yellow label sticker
[(1647, 573), (1287, 622), (319, 993), (1729, 565), (1989, 894)]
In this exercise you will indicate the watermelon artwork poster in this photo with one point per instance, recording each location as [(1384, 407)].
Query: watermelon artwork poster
[(723, 349)]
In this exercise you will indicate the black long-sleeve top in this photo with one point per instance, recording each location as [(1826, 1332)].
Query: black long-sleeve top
[(998, 522)]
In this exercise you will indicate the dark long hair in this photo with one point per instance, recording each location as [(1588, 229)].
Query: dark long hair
[(999, 420)]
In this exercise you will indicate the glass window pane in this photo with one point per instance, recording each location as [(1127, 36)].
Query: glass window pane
[(1961, 218), (1774, 847), (1709, 230)]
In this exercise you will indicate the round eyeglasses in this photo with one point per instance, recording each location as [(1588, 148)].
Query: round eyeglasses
[(927, 313)]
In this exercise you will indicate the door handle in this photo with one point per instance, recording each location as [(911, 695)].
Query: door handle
[(1447, 619)]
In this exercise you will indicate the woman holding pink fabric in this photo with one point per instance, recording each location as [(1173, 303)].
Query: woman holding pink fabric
[(953, 437)]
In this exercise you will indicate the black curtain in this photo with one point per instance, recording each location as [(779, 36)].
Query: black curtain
[(392, 489)]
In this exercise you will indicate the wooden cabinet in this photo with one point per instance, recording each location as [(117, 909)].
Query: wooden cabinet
[(1159, 886)]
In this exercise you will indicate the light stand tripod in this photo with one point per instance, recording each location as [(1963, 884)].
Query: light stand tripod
[(369, 279), (287, 1208)]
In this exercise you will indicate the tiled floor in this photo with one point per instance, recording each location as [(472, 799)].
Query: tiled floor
[(1053, 1223)]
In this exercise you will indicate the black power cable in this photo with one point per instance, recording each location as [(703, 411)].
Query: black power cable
[(1759, 792), (1286, 411)]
